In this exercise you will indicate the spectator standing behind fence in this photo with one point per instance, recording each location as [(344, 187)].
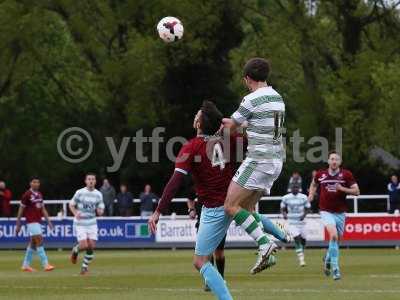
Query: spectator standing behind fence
[(5, 199), (295, 180), (108, 192), (146, 201), (394, 193), (125, 201)]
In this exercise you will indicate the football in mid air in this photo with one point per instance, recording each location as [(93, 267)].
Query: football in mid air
[(170, 29)]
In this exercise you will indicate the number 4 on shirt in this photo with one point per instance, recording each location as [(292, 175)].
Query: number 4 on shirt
[(218, 158)]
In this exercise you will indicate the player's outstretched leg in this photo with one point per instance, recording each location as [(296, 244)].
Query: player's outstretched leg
[(327, 263), (87, 259), (38, 240), (332, 257), (75, 253), (220, 261), (211, 260), (299, 250), (237, 198), (275, 230), (247, 221), (26, 265), (214, 280), (214, 224)]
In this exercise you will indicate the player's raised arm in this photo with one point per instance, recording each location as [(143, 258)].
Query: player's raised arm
[(183, 166), (230, 124), (239, 117), (168, 194)]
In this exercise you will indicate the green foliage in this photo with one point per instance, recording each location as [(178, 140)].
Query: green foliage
[(337, 68), (99, 65)]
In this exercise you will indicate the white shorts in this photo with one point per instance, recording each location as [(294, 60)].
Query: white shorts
[(86, 232), (298, 229), (258, 175)]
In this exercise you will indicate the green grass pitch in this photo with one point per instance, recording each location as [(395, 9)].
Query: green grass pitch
[(165, 274)]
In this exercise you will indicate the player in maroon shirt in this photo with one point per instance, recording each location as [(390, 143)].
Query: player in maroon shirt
[(32, 208), (335, 184), (212, 170)]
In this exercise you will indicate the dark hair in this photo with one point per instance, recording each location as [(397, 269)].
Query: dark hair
[(211, 118), (34, 178), (333, 152), (257, 69), (90, 174)]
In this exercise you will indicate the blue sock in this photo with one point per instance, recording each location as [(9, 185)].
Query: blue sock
[(333, 253), (42, 255), (28, 257), (327, 256), (271, 228), (215, 282)]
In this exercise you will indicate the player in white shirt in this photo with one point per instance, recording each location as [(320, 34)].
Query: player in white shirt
[(294, 208), (85, 205), (263, 110)]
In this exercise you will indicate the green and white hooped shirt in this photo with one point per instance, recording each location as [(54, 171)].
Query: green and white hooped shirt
[(264, 110), (86, 202)]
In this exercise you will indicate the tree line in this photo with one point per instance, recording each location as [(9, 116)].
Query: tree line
[(99, 65)]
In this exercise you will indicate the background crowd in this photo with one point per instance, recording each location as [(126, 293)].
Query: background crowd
[(120, 201)]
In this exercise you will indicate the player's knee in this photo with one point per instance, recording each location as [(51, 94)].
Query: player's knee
[(33, 243), (230, 209), (334, 237), (83, 246), (91, 244), (36, 241), (198, 263)]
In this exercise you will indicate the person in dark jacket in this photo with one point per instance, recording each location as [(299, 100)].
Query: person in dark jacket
[(125, 201), (5, 199), (108, 192), (146, 201), (394, 193)]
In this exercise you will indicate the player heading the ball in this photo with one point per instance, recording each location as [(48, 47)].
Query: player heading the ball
[(264, 111)]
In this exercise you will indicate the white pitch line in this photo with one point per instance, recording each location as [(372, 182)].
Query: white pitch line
[(384, 276), (186, 290)]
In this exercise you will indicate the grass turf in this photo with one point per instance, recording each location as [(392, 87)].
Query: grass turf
[(165, 274)]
